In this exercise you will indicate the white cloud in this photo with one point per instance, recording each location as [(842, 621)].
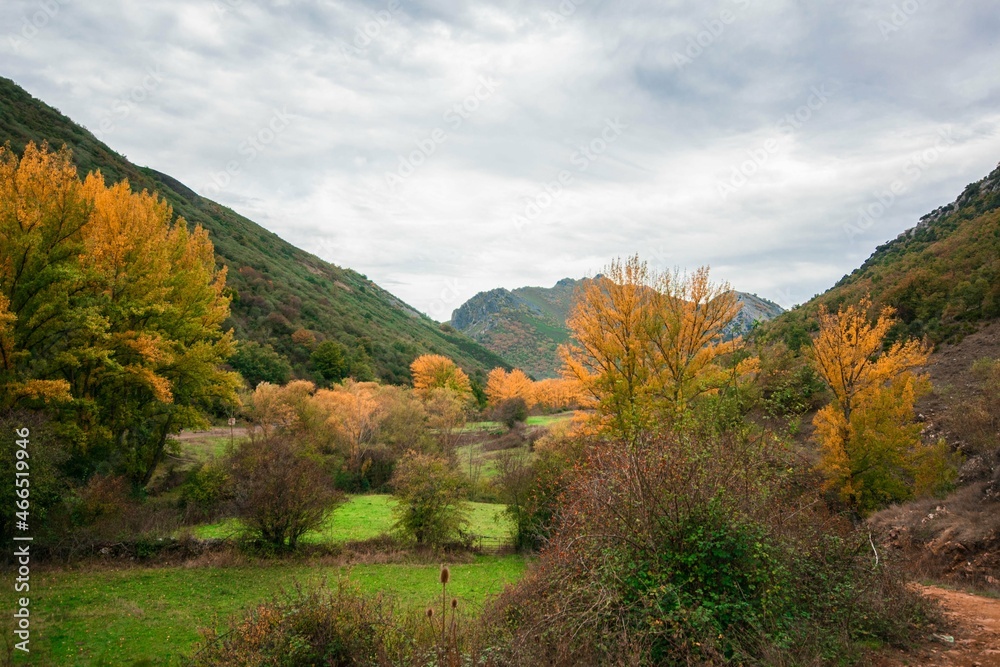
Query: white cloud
[(364, 85)]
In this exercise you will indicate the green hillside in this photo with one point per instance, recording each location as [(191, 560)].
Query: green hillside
[(942, 276), (277, 289)]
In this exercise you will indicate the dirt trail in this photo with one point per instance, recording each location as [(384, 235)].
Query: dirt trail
[(975, 626)]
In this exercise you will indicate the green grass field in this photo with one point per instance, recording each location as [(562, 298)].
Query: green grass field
[(483, 463), (547, 420), (365, 517), (151, 616)]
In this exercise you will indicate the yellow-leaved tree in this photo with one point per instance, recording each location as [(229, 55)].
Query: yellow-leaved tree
[(555, 394), (435, 371), (43, 211), (872, 453), (111, 308), (686, 330), (354, 413), (645, 345), (609, 352), (502, 386)]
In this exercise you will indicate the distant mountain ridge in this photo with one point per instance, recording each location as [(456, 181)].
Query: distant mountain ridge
[(526, 325), (283, 296)]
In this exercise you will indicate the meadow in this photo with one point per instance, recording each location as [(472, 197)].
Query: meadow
[(136, 615), (364, 517), (151, 616)]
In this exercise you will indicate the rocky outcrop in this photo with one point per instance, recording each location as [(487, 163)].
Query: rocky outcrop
[(480, 313)]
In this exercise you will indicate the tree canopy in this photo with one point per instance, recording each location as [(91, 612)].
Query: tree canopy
[(110, 312), (872, 453)]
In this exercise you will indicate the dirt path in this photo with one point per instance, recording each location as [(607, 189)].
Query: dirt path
[(975, 626)]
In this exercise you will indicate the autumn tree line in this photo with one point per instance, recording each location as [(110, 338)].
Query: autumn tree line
[(678, 517), (112, 342)]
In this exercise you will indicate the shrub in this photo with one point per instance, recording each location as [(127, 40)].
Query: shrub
[(372, 474), (279, 490), (346, 628), (530, 489), (697, 551), (511, 411), (260, 363), (206, 490), (107, 511), (978, 416), (48, 484), (324, 627), (788, 384), (430, 493)]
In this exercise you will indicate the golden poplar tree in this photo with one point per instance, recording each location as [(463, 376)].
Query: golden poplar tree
[(354, 412), (502, 386), (872, 453), (435, 371), (609, 352), (43, 211), (555, 394), (110, 306), (645, 345), (686, 332)]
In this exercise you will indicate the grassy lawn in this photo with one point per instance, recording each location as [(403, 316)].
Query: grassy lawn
[(208, 448), (151, 616), (473, 427), (364, 517), (534, 420), (483, 461), (548, 420)]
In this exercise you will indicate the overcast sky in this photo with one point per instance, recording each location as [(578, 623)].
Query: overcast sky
[(445, 147)]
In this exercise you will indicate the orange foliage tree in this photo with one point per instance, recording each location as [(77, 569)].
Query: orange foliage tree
[(354, 412), (502, 386), (686, 326), (645, 345), (554, 394), (872, 453), (435, 371), (111, 307)]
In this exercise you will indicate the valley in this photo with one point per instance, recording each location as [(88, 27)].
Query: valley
[(226, 450)]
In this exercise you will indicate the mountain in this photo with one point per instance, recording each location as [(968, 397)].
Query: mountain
[(278, 290), (942, 276), (526, 325)]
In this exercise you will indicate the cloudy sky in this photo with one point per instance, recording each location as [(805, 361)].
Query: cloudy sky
[(443, 147)]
